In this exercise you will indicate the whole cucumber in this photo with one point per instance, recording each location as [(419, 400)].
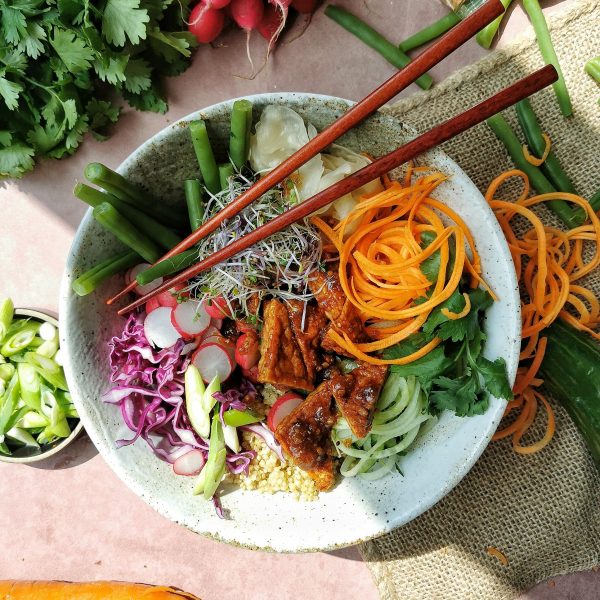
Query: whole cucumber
[(571, 372)]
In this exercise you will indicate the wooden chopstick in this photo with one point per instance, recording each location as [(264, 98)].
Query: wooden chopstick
[(440, 133), (457, 36)]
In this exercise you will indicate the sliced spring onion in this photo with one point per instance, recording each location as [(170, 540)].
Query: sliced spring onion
[(239, 418)]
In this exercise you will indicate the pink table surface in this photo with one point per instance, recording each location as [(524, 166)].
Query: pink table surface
[(70, 517)]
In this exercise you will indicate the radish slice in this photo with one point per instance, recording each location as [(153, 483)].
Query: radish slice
[(151, 305), (159, 330), (282, 408), (251, 374), (190, 318), (169, 297), (190, 346), (217, 323), (218, 308), (190, 463), (247, 350), (211, 331), (212, 359), (142, 290), (228, 345)]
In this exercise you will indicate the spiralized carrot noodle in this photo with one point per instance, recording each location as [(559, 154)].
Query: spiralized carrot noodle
[(534, 160), (498, 554), (548, 262), (380, 257)]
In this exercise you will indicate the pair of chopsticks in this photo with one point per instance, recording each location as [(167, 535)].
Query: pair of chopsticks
[(443, 132)]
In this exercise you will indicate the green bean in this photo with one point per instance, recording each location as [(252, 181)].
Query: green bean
[(124, 190), (193, 199), (536, 16), (112, 220), (533, 134), (538, 180), (225, 172), (7, 310), (486, 36), (375, 40), (205, 156), (592, 68), (429, 33), (156, 231), (168, 266), (241, 121), (90, 280)]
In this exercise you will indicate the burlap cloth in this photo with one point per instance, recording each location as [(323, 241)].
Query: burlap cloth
[(542, 511)]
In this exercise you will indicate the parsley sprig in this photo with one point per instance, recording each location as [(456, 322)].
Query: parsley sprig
[(455, 374), (62, 63)]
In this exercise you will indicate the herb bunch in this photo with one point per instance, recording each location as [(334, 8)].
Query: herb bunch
[(64, 62)]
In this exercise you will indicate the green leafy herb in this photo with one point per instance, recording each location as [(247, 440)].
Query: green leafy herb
[(61, 62), (455, 374)]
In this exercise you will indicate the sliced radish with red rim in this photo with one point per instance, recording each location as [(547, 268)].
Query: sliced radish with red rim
[(283, 406), (159, 330), (190, 318), (213, 359), (190, 463)]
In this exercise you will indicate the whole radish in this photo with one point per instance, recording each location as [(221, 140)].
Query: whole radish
[(305, 6), (247, 14), (270, 24), (206, 21)]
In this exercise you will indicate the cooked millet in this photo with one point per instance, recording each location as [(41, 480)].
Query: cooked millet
[(268, 475)]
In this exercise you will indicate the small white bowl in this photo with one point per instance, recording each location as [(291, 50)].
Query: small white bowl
[(355, 510), (23, 455)]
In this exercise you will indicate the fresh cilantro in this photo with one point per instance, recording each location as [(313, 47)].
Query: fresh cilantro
[(9, 90), (137, 76), (430, 267), (455, 374), (72, 50), (61, 61), (124, 19)]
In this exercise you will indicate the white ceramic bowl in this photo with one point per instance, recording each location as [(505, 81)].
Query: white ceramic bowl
[(355, 510)]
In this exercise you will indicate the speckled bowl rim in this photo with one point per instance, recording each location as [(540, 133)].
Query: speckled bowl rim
[(494, 414), (42, 316)]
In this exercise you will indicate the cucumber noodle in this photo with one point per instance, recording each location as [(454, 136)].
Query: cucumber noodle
[(400, 415)]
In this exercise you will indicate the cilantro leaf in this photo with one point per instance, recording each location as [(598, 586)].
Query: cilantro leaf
[(494, 377), (14, 25), (460, 395), (5, 138), (15, 160), (428, 367), (124, 19), (170, 44), (101, 115), (468, 326), (32, 42), (137, 75), (430, 267), (151, 99), (72, 50), (9, 90), (454, 304), (111, 67)]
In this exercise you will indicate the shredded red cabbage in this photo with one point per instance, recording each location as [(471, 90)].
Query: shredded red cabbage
[(149, 391)]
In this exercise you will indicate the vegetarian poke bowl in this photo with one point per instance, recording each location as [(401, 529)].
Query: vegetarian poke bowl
[(323, 387)]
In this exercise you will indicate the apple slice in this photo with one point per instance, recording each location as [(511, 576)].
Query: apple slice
[(158, 329), (282, 407)]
